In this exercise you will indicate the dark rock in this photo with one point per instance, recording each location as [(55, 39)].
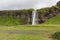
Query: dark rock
[(58, 3)]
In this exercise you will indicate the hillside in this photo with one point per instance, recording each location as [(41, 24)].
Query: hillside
[(17, 24), (53, 20), (49, 12)]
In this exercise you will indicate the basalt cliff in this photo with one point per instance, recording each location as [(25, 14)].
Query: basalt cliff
[(20, 17)]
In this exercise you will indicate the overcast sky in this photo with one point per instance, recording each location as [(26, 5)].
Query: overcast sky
[(23, 4)]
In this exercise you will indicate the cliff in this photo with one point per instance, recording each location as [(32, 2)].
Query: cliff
[(47, 13), (19, 17)]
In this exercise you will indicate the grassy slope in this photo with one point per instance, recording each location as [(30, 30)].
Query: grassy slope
[(8, 21), (54, 20)]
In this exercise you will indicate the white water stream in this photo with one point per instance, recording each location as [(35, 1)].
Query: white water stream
[(34, 17)]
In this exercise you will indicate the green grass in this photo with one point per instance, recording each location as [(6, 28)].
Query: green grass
[(54, 20), (30, 27), (42, 31), (9, 21), (6, 36)]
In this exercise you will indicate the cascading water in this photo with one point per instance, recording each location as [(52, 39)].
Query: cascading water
[(34, 17)]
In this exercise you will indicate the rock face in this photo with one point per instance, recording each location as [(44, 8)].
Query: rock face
[(58, 4), (25, 16), (22, 16), (47, 13)]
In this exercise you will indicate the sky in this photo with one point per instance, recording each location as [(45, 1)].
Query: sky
[(25, 4)]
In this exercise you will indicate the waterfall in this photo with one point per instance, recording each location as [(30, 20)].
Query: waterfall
[(34, 17)]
